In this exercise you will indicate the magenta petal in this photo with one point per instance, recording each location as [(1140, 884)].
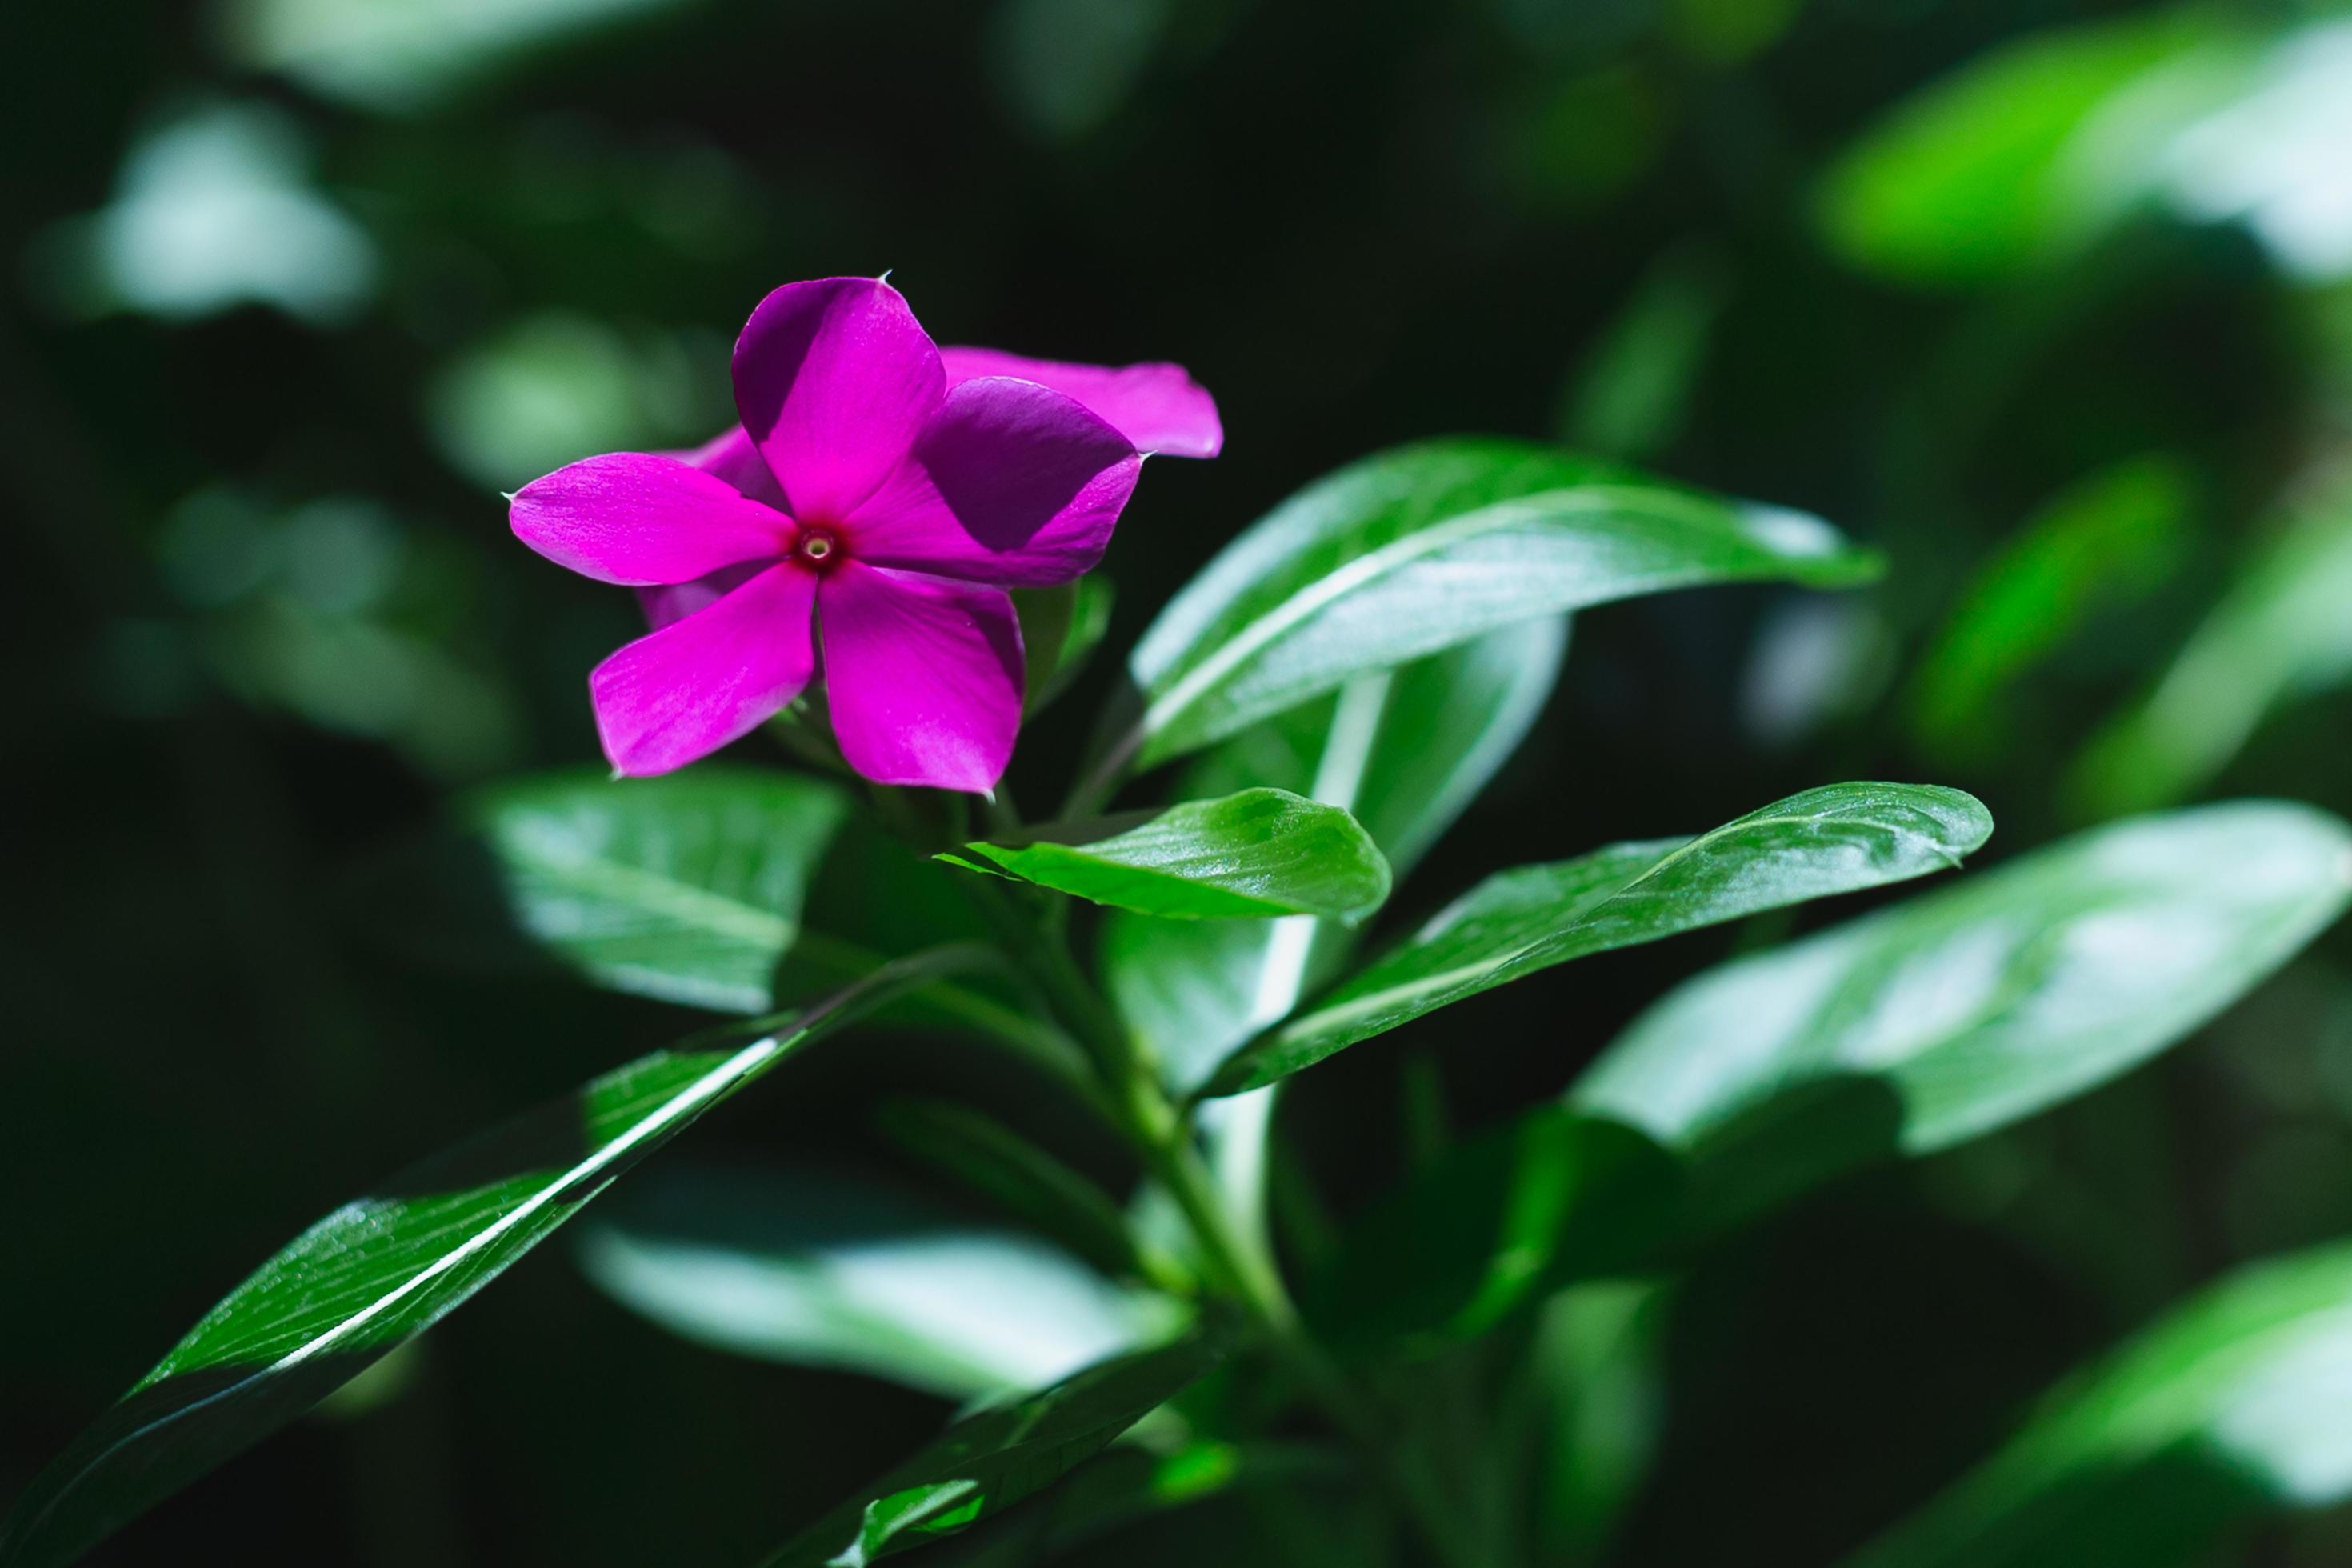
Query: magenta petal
[(1159, 407), (674, 601), (1012, 483), (923, 675), (732, 455), (637, 518), (682, 692), (834, 380)]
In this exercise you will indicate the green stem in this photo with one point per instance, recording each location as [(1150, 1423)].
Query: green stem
[(1247, 1273), (1253, 1279)]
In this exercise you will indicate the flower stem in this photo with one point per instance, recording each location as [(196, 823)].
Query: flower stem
[(1238, 1267)]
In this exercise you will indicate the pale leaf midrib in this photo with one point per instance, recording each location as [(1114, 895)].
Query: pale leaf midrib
[(683, 902), (1342, 1014), (1328, 588)]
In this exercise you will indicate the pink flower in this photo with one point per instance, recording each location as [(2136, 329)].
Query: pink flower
[(876, 503)]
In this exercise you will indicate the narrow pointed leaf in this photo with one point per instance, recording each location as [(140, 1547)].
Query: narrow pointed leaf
[(1406, 750), (1261, 852), (990, 1461), (811, 1269), (1973, 1007), (1426, 547), (2228, 1406), (1836, 840), (384, 1268)]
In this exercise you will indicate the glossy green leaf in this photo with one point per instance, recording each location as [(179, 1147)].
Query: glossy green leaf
[(1260, 852), (1445, 726), (2231, 1406), (1404, 750), (989, 1461), (1419, 549), (1060, 628), (385, 1267), (1407, 750), (814, 1269), (2281, 632), (687, 887), (979, 1150), (1957, 1012), (1836, 840)]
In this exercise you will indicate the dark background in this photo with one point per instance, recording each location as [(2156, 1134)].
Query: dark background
[(262, 615)]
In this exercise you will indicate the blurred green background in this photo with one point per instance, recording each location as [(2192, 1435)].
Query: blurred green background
[(2052, 301)]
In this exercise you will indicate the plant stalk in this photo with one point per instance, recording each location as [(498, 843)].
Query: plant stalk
[(1245, 1272)]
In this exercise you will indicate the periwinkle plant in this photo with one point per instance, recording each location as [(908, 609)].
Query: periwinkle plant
[(1339, 682)]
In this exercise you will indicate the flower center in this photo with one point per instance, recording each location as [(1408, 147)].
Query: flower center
[(817, 546)]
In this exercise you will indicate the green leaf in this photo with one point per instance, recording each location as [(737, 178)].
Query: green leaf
[(1060, 627), (2028, 153), (691, 889), (2276, 126), (1419, 549), (1956, 1012), (1594, 1388), (1262, 851), (875, 899), (1633, 392), (384, 1268), (1552, 1195), (2281, 632), (1446, 725), (984, 1152), (687, 887), (2232, 1404), (1404, 750), (1407, 750), (2102, 546), (1836, 840), (1126, 1485), (989, 1461), (814, 1269)]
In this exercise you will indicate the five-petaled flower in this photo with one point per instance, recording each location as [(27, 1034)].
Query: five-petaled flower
[(865, 520)]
